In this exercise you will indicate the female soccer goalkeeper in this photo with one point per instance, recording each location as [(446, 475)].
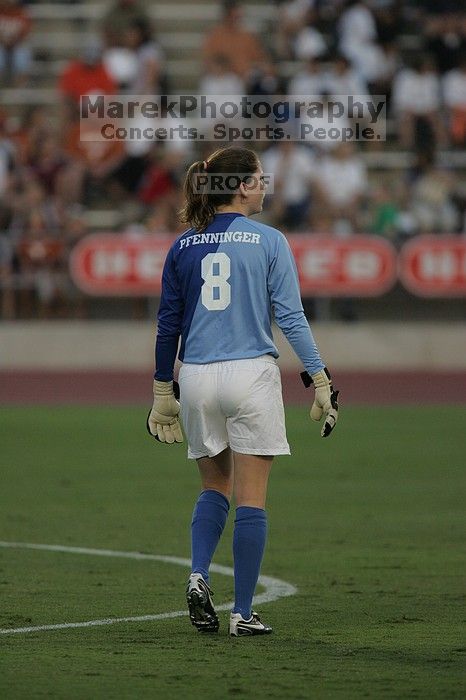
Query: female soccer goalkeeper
[(223, 280)]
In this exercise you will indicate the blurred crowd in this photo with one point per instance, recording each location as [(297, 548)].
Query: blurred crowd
[(50, 180)]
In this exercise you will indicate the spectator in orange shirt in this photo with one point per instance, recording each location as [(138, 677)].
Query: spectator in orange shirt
[(242, 50), (15, 55), (85, 76)]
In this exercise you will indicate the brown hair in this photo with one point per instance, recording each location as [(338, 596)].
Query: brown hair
[(200, 206)]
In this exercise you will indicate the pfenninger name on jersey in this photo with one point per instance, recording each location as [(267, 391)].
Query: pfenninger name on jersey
[(222, 237)]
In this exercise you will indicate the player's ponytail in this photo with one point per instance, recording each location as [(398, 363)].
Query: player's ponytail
[(198, 211), (201, 203)]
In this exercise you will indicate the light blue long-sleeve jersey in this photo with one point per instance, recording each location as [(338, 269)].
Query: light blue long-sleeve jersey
[(220, 290)]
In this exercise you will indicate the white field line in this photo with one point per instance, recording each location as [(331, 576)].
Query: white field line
[(274, 588)]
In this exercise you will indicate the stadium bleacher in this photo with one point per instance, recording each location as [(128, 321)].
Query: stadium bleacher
[(61, 29)]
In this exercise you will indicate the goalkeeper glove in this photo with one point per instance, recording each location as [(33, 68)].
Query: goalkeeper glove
[(325, 400), (163, 422)]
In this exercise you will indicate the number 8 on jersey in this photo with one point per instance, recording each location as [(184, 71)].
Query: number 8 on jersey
[(216, 290)]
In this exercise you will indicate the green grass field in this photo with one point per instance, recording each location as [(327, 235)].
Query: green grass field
[(368, 525)]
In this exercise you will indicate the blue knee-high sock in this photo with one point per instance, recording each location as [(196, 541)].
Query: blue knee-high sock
[(209, 518), (248, 548)]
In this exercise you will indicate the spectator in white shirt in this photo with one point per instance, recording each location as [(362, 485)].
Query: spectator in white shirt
[(359, 43), (340, 180), (293, 15), (147, 80), (320, 130), (454, 96), (358, 34), (221, 80), (309, 43), (310, 80), (416, 100), (388, 62), (356, 25), (342, 79), (292, 167)]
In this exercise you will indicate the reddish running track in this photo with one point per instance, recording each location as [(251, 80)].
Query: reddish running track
[(113, 387)]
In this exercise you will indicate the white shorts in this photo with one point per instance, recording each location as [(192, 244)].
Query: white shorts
[(236, 403)]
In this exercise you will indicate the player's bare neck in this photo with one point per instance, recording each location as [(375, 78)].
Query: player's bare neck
[(234, 209)]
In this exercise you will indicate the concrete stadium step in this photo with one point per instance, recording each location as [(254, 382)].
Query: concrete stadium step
[(184, 67), (61, 42), (58, 44), (174, 13)]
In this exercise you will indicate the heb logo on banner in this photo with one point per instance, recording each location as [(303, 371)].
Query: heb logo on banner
[(433, 266), (359, 265), (123, 265), (119, 265)]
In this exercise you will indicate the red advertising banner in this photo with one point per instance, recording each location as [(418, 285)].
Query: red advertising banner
[(360, 266), (119, 264), (126, 265), (434, 266)]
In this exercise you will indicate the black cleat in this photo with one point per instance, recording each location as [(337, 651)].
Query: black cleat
[(201, 608)]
